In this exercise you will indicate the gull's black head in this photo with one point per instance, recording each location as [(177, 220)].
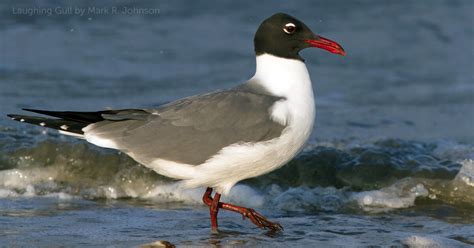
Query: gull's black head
[(284, 36)]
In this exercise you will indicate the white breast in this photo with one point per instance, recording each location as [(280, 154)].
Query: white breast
[(289, 79)]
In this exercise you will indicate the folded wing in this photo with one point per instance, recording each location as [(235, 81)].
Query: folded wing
[(190, 130)]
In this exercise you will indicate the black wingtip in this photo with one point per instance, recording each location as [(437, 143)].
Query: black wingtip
[(29, 109), (44, 112), (15, 117), (33, 110)]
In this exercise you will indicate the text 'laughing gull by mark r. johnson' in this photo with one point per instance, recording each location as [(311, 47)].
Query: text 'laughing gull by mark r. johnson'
[(217, 139)]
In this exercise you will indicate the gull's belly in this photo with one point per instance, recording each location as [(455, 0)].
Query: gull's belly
[(241, 161)]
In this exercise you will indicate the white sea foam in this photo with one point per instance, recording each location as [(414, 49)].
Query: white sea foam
[(399, 195), (30, 191), (431, 241), (18, 178), (466, 174), (4, 193), (240, 194)]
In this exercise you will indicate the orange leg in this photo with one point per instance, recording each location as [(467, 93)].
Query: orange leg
[(256, 218)]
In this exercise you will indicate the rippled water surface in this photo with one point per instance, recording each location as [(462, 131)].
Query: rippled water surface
[(390, 160)]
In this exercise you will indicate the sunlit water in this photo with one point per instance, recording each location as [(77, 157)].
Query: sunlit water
[(390, 161)]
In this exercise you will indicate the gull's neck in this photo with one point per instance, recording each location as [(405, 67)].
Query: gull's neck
[(283, 77)]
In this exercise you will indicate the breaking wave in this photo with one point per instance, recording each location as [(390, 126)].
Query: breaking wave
[(333, 176)]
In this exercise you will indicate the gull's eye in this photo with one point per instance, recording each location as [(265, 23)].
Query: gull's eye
[(289, 28)]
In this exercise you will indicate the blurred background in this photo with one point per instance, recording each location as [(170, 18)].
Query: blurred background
[(393, 135), (408, 72)]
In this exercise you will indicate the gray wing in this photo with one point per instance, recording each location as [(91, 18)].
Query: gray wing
[(193, 129)]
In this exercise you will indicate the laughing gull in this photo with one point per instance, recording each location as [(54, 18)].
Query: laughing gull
[(217, 139)]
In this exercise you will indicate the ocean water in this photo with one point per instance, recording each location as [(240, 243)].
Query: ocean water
[(390, 161)]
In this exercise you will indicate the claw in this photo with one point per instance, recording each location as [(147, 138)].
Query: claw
[(261, 221)]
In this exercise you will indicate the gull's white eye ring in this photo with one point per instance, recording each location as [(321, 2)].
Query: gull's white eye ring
[(289, 28)]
